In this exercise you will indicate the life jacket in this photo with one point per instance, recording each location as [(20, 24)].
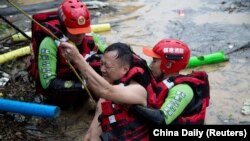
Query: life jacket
[(195, 112), (51, 22), (118, 122)]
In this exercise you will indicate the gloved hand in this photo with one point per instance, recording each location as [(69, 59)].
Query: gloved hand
[(153, 116), (78, 85), (62, 85)]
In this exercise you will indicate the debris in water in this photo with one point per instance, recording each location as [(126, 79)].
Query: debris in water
[(246, 107), (181, 13), (3, 6), (4, 78), (230, 46)]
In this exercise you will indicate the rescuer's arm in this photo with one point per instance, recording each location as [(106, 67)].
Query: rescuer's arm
[(177, 100), (150, 115), (47, 65)]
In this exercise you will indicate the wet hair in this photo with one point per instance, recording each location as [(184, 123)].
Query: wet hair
[(124, 52)]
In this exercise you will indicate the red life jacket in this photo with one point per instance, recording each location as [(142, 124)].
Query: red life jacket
[(51, 22), (195, 112), (118, 122), (147, 80), (63, 69)]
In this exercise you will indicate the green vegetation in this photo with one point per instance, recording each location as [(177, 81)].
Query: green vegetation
[(5, 30)]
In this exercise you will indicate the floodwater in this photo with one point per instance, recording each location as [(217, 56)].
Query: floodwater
[(206, 26)]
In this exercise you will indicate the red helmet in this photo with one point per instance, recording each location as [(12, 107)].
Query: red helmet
[(75, 16), (170, 50)]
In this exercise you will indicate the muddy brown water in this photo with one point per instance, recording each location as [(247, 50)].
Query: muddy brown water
[(206, 26)]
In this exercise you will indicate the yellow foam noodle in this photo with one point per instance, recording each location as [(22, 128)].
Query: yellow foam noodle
[(94, 28), (19, 37), (14, 54), (100, 27)]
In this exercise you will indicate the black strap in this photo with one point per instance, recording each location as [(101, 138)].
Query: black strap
[(174, 56)]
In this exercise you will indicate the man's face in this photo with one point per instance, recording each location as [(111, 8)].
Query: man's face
[(76, 38), (111, 67), (155, 67)]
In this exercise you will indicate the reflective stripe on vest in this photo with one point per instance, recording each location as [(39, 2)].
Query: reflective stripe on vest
[(117, 123), (168, 84)]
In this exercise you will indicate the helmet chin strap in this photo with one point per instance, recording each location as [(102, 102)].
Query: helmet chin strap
[(164, 75), (168, 65), (161, 77)]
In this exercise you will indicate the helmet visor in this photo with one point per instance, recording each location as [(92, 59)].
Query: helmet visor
[(81, 30), (149, 52)]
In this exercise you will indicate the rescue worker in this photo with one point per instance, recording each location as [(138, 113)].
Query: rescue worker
[(123, 83), (56, 80), (186, 97)]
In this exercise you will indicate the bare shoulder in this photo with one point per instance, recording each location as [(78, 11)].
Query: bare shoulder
[(134, 93)]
